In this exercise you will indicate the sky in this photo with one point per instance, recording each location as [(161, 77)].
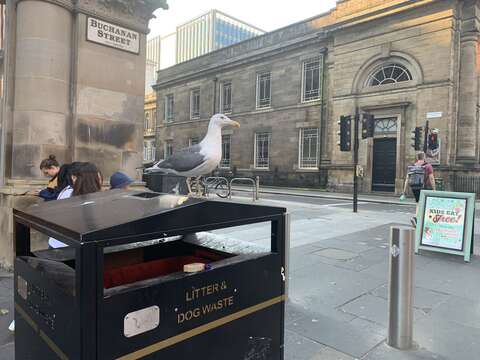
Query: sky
[(267, 15)]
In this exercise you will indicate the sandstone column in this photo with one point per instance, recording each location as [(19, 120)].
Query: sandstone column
[(467, 123), (42, 80), (75, 72)]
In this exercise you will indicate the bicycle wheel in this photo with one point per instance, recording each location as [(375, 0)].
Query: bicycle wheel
[(221, 189)]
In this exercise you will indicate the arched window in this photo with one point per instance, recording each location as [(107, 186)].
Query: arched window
[(389, 74)]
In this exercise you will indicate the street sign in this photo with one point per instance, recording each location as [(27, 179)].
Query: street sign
[(446, 222), (434, 115), (108, 34)]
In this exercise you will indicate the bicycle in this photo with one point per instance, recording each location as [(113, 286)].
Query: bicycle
[(213, 184)]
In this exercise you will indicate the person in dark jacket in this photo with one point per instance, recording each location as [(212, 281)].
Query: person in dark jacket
[(50, 167)]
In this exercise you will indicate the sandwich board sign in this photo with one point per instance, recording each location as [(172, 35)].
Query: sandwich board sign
[(446, 223)]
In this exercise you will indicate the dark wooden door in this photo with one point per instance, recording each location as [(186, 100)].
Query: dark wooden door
[(384, 164)]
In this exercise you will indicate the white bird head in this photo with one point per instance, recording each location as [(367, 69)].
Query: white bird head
[(221, 120)]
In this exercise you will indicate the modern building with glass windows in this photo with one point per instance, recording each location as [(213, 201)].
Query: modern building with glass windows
[(404, 62), (211, 31)]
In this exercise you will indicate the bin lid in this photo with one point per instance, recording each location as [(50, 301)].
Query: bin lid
[(118, 215)]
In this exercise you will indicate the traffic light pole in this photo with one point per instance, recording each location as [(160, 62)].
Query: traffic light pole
[(425, 138), (356, 144)]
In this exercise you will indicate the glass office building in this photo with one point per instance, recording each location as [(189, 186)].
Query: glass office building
[(211, 31)]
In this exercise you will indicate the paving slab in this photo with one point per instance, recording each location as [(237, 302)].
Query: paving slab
[(336, 254), (370, 326), (423, 299), (327, 284), (350, 339), (298, 347), (361, 261), (447, 338), (7, 352), (459, 310), (6, 336), (374, 309), (385, 352)]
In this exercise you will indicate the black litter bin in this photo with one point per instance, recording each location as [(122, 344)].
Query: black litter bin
[(118, 291)]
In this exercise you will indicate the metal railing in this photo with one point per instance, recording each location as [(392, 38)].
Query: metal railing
[(466, 183), (255, 185)]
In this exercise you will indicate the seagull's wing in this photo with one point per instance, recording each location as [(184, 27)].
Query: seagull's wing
[(183, 160)]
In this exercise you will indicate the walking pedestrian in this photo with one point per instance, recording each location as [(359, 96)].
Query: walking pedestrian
[(419, 177)]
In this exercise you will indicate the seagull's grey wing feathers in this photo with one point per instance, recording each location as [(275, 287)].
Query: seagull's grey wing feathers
[(183, 160)]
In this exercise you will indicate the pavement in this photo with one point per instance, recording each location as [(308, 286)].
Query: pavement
[(6, 315), (379, 198), (337, 307)]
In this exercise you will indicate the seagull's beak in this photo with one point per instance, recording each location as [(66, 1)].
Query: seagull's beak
[(235, 123)]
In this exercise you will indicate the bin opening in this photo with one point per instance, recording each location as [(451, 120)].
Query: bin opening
[(147, 195), (127, 267)]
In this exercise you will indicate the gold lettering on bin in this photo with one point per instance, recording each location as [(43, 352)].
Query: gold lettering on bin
[(194, 294)]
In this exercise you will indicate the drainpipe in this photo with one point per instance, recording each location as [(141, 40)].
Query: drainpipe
[(322, 109), (215, 96), (72, 124)]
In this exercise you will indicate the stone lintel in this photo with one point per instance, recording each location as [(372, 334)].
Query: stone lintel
[(399, 105)]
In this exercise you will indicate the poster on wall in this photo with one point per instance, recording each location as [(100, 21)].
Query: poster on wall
[(446, 222), (432, 155)]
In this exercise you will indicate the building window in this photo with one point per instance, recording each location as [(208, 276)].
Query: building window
[(385, 126), (193, 141), (149, 151), (226, 145), (145, 151), (262, 144), (264, 90), (308, 155), (147, 121), (169, 103), (153, 150), (195, 104), (389, 74), (168, 148), (226, 99), (311, 80)]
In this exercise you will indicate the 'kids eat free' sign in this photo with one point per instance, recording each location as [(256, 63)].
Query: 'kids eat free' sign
[(446, 222)]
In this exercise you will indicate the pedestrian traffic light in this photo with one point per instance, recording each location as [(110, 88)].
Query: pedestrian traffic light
[(368, 126), (433, 140), (417, 138), (345, 133)]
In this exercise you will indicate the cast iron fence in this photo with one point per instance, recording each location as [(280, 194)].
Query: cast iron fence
[(464, 183)]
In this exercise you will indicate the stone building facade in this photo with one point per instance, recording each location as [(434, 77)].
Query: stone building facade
[(149, 128), (402, 61)]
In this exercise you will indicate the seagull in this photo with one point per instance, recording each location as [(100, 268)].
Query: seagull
[(199, 159)]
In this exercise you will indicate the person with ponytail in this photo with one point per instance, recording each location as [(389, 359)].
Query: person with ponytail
[(50, 167)]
